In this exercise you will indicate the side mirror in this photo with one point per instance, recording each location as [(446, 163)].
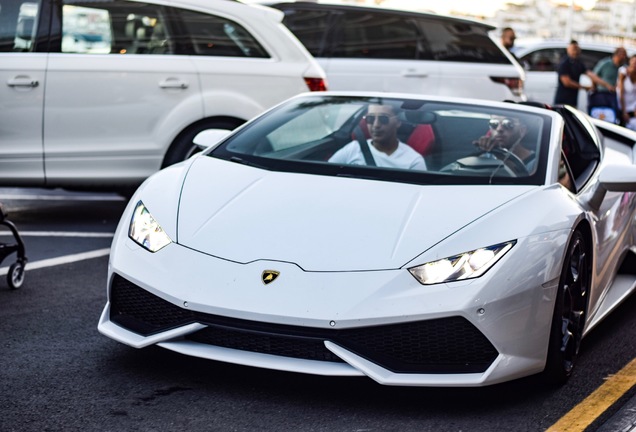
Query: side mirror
[(614, 178), (210, 137)]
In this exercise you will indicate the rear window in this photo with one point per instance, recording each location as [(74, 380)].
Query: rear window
[(375, 35), (215, 36), (548, 59), (460, 41), (349, 33), (309, 27), (544, 60)]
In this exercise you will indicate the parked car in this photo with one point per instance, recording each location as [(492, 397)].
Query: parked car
[(103, 94), (541, 61), (476, 269), (374, 49)]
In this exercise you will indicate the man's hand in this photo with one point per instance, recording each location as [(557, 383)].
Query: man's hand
[(485, 143)]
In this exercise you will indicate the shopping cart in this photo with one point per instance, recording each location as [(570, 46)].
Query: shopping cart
[(15, 275)]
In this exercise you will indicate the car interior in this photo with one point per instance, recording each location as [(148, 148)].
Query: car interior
[(442, 133)]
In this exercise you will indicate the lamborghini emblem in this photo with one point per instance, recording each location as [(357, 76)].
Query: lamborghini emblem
[(269, 276)]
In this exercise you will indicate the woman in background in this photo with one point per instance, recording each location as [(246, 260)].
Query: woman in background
[(627, 93)]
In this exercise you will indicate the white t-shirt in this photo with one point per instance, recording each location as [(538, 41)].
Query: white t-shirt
[(630, 93), (403, 157), (630, 97)]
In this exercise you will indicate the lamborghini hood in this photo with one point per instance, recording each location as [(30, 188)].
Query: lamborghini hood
[(322, 223)]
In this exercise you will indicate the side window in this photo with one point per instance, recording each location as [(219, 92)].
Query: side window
[(114, 27), (579, 147), (543, 60), (458, 41), (18, 22), (376, 35), (210, 35), (309, 26), (565, 176)]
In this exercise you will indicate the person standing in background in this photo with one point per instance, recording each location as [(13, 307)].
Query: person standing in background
[(508, 38), (569, 72), (627, 93)]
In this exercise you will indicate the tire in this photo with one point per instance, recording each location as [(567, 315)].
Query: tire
[(15, 276), (183, 148), (570, 311)]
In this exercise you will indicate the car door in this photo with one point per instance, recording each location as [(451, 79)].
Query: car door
[(117, 94), (582, 150), (379, 51), (22, 78)]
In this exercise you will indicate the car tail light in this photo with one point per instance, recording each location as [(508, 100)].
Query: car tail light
[(316, 84), (514, 84)]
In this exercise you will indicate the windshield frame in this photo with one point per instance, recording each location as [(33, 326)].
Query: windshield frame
[(283, 113)]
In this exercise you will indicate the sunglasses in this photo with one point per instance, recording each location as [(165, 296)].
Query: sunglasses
[(505, 123), (382, 118)]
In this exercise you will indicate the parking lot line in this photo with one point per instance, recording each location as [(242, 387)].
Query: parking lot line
[(60, 197), (61, 260), (584, 414), (59, 234)]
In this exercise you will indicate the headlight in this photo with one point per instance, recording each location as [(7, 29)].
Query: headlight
[(146, 231), (467, 265)]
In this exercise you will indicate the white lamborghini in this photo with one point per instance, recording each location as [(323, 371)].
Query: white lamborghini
[(482, 267)]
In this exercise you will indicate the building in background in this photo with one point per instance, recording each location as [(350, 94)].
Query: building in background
[(607, 21)]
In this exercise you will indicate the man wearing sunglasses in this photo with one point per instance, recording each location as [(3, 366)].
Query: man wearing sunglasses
[(507, 133), (384, 146)]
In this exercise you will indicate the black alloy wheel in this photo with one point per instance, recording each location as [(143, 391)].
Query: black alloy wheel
[(570, 311)]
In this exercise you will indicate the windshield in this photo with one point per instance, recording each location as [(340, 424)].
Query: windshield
[(390, 139)]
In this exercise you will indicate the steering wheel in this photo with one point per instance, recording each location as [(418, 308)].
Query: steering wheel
[(510, 159)]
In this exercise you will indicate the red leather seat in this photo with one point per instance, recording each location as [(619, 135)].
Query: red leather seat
[(422, 139)]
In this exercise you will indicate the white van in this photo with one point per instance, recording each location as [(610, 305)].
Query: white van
[(101, 94), (368, 48)]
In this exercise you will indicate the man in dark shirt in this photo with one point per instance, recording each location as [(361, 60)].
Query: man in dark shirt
[(569, 71)]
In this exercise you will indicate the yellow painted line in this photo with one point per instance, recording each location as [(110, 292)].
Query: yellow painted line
[(584, 414)]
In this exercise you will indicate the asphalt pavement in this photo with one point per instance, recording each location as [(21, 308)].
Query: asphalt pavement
[(87, 230)]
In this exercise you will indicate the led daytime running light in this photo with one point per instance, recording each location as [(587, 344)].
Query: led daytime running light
[(146, 231), (468, 265)]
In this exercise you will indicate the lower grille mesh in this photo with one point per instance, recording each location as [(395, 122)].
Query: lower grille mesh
[(298, 347), (446, 345)]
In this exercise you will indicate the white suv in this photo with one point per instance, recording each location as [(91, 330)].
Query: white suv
[(368, 48), (104, 93), (542, 60)]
